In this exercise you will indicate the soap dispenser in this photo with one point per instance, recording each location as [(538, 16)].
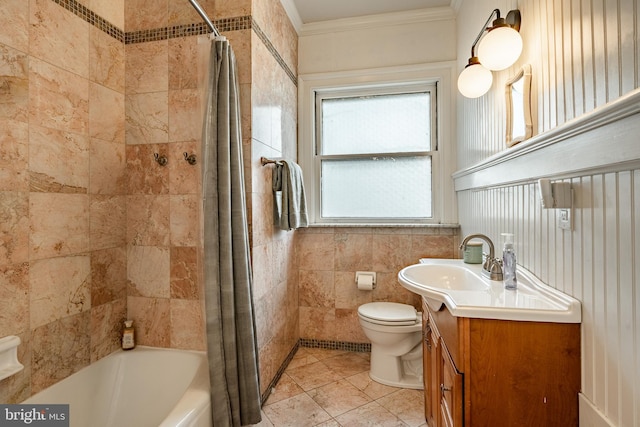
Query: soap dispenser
[(509, 262)]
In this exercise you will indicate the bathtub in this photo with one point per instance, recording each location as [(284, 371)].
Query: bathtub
[(143, 387)]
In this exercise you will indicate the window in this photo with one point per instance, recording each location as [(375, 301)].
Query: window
[(370, 146), (374, 150)]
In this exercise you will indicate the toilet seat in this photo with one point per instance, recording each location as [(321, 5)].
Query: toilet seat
[(389, 313)]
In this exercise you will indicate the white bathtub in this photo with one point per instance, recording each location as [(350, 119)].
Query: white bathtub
[(142, 387)]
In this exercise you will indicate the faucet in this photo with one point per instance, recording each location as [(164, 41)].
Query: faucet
[(492, 267)]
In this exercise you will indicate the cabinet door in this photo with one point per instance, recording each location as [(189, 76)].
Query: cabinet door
[(430, 360), (451, 392)]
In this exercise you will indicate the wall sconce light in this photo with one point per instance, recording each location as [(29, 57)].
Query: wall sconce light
[(500, 48)]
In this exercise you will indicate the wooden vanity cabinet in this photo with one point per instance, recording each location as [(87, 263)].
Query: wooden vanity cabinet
[(482, 372)]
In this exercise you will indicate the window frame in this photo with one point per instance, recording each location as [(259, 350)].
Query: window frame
[(374, 90), (391, 79)]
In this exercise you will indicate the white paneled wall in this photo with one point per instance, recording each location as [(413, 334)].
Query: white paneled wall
[(584, 54)]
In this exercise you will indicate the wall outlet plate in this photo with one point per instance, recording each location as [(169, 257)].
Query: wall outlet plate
[(564, 219)]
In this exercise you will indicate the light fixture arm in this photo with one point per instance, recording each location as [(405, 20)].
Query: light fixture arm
[(485, 27)]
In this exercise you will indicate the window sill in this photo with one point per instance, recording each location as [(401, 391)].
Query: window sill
[(382, 225)]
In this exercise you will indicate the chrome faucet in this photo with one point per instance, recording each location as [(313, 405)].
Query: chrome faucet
[(492, 267)]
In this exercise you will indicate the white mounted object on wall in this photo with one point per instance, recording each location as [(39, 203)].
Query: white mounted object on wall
[(366, 280), (555, 195), (9, 364)]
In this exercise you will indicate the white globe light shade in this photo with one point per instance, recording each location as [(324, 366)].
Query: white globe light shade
[(500, 48), (474, 81)]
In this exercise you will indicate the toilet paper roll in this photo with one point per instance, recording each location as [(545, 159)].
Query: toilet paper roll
[(365, 282)]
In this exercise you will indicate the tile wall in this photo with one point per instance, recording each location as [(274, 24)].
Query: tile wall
[(329, 257), (62, 190)]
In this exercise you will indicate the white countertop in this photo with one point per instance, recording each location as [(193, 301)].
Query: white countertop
[(531, 301)]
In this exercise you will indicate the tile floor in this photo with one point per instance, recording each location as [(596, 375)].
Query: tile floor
[(331, 388)]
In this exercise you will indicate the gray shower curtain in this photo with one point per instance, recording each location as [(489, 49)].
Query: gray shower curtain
[(231, 340)]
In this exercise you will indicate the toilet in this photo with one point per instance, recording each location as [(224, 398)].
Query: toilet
[(395, 332)]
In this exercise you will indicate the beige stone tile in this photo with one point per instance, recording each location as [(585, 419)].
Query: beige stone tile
[(110, 10), (108, 275), (148, 220), (406, 404), (107, 221), (59, 287), (60, 349), (300, 410), (228, 8), (145, 174), (59, 224), (353, 252), (147, 117), (108, 168), (58, 99), (185, 115), (183, 177), (338, 397), (148, 271), (348, 327), (14, 227), (59, 37), (106, 60), (313, 375), (187, 324), (318, 323), (185, 210), (106, 113), (183, 59), (284, 389), (432, 247), (58, 161), (147, 67), (14, 24), (316, 251), (14, 299), (348, 296), (370, 415), (262, 263), (184, 273), (323, 353), (152, 320), (14, 155), (301, 358), (362, 381), (265, 422), (391, 252), (389, 289), (347, 364), (106, 328), (316, 289), (14, 81), (145, 14)]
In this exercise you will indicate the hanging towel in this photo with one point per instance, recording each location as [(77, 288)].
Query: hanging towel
[(291, 210)]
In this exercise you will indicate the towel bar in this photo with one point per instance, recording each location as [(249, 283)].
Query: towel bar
[(266, 161)]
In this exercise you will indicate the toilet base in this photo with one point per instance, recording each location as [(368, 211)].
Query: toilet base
[(397, 371), (408, 381)]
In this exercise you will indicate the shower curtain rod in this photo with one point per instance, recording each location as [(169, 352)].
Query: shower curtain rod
[(204, 16)]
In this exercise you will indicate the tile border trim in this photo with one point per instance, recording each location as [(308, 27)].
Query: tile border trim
[(156, 34)]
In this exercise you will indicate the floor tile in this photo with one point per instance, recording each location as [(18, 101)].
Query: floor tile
[(339, 397), (332, 388), (297, 411)]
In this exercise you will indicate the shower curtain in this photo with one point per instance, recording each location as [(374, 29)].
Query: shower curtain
[(231, 341)]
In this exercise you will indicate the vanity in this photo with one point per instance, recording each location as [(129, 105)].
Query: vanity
[(495, 357)]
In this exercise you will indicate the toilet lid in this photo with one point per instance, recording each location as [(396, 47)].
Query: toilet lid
[(392, 312)]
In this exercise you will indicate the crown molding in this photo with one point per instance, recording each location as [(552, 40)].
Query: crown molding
[(292, 12), (376, 21)]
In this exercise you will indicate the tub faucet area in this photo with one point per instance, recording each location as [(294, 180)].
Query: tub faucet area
[(492, 267)]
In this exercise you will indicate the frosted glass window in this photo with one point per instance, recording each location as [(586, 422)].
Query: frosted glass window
[(376, 124), (377, 188), (374, 155)]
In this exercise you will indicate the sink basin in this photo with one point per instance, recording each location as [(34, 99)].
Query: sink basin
[(443, 276), (468, 293)]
